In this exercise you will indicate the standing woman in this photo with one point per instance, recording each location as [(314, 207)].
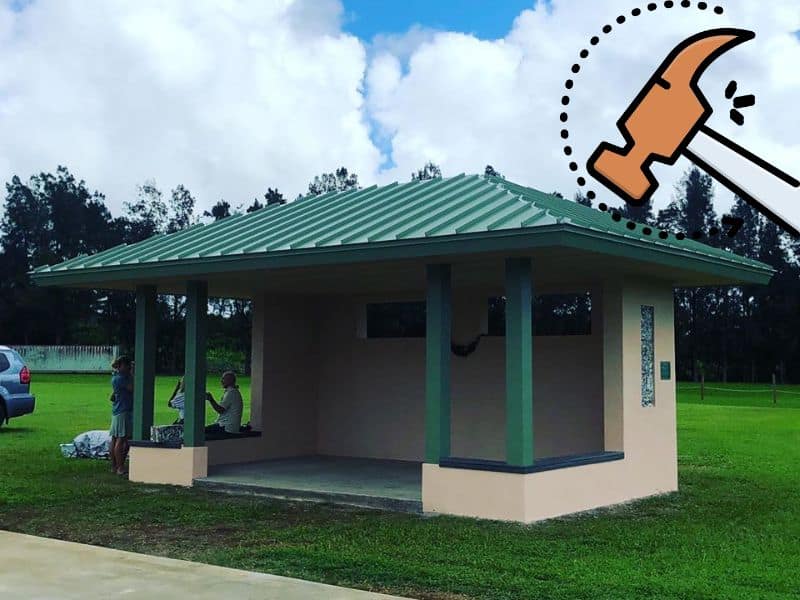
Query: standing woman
[(121, 412)]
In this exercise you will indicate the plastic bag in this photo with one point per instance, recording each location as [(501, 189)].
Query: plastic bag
[(92, 444)]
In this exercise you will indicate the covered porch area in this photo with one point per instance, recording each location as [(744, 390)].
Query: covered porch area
[(355, 407)]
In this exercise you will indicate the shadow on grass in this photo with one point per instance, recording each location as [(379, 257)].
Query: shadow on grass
[(6, 429)]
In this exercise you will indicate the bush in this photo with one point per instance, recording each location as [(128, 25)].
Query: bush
[(225, 359)]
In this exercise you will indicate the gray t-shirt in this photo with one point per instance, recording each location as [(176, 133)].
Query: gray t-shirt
[(123, 396), (231, 419)]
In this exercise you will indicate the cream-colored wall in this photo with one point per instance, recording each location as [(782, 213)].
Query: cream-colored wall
[(647, 435), (650, 433), (371, 395), (567, 398), (284, 370), (371, 392), (230, 451), (174, 466)]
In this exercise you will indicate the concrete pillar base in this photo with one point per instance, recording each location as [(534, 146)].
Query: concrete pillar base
[(173, 466), (531, 497)]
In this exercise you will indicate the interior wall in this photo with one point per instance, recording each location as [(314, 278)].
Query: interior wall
[(371, 399), (284, 375), (371, 395)]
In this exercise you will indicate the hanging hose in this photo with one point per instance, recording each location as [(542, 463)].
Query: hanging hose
[(465, 350)]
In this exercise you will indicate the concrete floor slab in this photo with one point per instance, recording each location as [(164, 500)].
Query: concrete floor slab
[(389, 484), (37, 568)]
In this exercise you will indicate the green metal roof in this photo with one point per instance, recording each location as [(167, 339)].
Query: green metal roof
[(459, 214)]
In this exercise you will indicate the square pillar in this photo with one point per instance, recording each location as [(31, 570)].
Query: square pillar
[(519, 362), (438, 317), (613, 355), (195, 368), (144, 377)]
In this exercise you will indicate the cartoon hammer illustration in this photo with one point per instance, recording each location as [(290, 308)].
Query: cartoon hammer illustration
[(667, 119)]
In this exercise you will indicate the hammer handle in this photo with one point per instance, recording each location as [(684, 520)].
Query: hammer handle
[(768, 189)]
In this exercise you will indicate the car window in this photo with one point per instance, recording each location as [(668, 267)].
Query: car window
[(5, 364)]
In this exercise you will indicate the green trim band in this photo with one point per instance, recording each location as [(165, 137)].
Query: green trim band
[(563, 235)]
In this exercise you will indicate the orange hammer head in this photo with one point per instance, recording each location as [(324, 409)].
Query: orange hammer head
[(663, 118)]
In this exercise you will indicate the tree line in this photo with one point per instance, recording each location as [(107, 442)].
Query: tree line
[(732, 333), (52, 217)]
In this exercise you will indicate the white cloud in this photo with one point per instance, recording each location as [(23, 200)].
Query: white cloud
[(230, 97), (225, 97), (466, 102)]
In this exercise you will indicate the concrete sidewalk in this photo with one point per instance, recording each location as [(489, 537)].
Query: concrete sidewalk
[(36, 568)]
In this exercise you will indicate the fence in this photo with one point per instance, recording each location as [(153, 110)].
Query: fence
[(770, 390), (68, 359)]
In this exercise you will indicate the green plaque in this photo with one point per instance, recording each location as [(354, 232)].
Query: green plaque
[(665, 370)]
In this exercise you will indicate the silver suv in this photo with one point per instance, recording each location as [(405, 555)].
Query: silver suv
[(15, 385)]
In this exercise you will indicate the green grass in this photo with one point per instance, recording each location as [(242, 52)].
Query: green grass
[(733, 530)]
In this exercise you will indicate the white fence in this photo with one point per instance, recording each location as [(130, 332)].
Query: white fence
[(68, 359)]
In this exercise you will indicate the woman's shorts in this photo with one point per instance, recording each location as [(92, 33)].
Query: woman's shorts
[(121, 425)]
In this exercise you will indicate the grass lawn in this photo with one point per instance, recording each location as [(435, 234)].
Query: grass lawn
[(733, 531)]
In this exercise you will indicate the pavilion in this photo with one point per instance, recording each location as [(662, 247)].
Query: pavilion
[(402, 357)]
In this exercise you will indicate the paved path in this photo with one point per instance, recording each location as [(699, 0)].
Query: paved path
[(36, 568)]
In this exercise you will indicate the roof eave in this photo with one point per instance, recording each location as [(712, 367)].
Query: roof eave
[(564, 235)]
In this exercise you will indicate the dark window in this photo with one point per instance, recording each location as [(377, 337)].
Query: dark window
[(553, 314), (5, 365), (396, 320)]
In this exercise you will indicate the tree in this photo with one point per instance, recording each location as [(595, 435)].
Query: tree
[(339, 181), (692, 207), (776, 304), (745, 242), (429, 171), (220, 210), (52, 217), (490, 171), (692, 210), (582, 199), (148, 214), (638, 214), (181, 209), (256, 205), (739, 337), (274, 197)]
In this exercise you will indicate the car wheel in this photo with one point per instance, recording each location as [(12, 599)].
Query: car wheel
[(2, 413)]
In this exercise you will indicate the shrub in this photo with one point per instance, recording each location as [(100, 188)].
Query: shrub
[(225, 359)]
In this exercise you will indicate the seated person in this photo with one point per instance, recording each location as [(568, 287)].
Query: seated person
[(229, 407), (178, 401)]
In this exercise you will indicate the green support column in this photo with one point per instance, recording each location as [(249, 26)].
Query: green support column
[(195, 369), (437, 363), (519, 362), (144, 378)]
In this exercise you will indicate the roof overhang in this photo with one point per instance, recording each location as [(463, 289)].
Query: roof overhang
[(681, 266)]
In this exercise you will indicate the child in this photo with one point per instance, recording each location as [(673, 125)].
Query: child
[(178, 400), (121, 412)]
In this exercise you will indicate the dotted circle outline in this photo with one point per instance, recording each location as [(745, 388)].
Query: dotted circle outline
[(565, 99)]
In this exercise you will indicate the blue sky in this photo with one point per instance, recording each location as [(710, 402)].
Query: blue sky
[(484, 18)]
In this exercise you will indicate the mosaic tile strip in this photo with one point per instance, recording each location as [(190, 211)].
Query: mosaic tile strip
[(648, 357)]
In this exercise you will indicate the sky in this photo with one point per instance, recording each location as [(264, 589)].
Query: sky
[(230, 97), (482, 18)]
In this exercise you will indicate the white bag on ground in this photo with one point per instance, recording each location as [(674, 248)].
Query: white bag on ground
[(92, 444)]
